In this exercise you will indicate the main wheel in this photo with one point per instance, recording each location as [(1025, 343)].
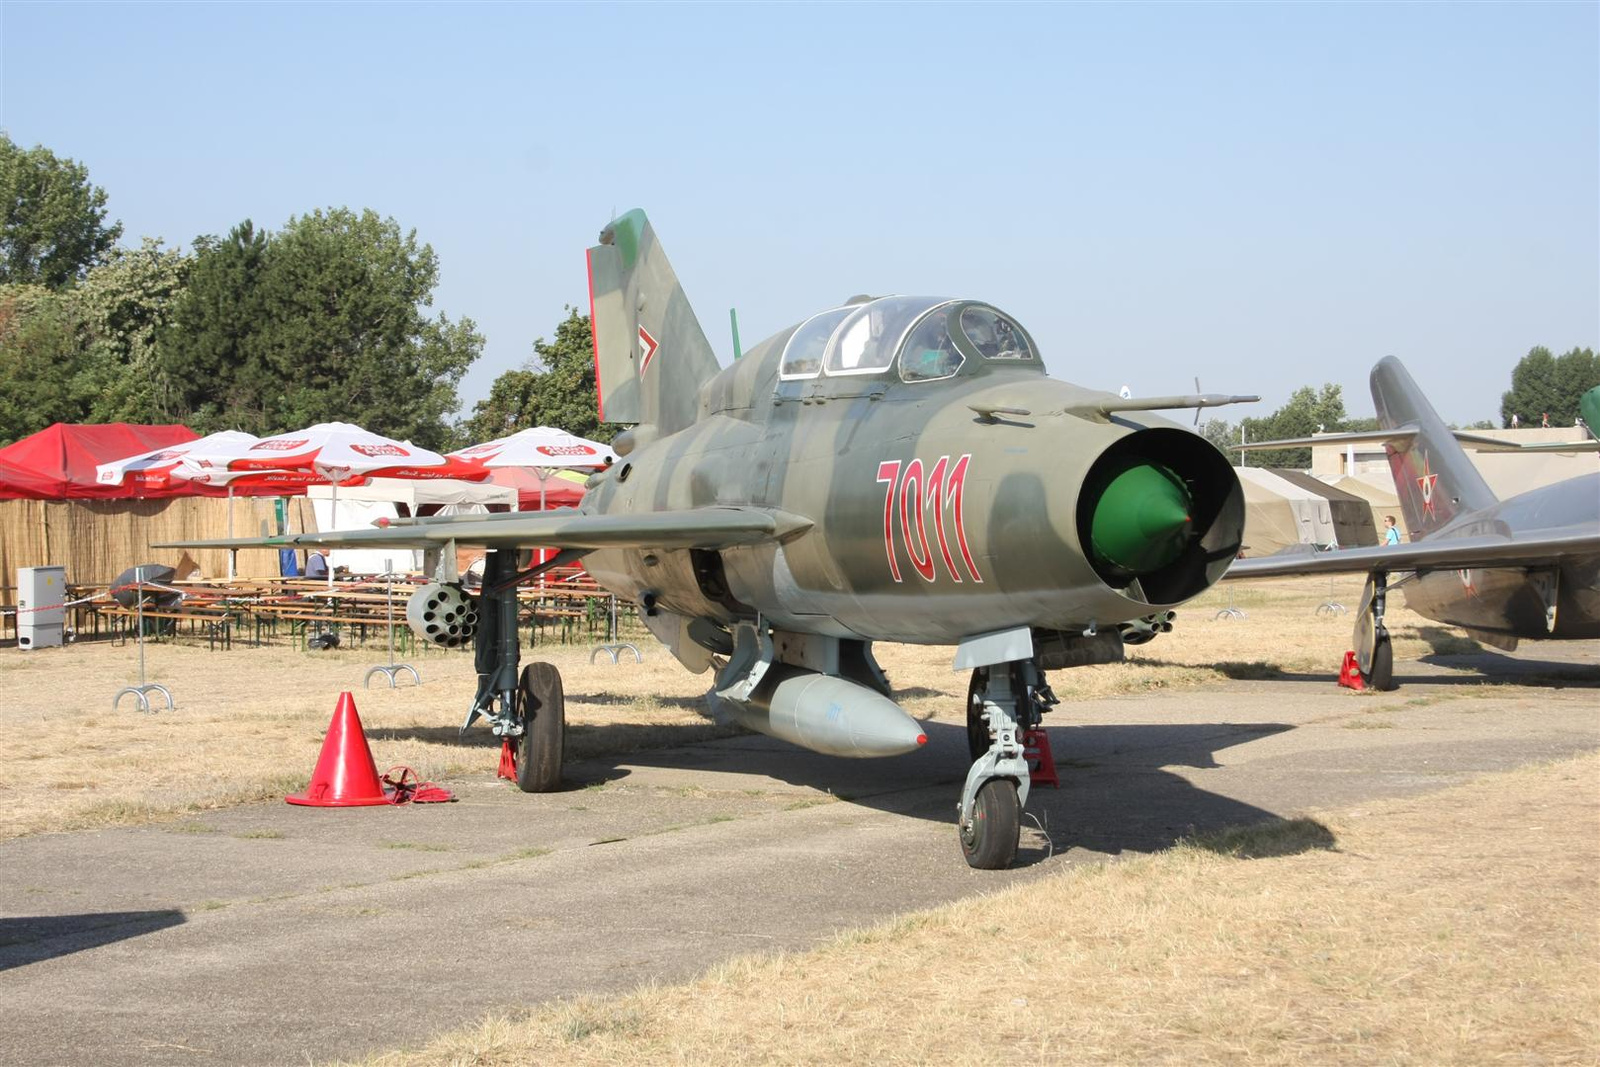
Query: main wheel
[(977, 729), (1380, 675), (542, 707), (990, 843)]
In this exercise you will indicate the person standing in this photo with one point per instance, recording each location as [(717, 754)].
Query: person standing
[(1391, 533)]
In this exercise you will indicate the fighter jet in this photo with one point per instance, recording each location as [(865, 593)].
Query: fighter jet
[(1527, 567), (890, 469)]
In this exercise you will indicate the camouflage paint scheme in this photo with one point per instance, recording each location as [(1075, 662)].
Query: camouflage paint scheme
[(904, 471), (839, 451), (1525, 567)]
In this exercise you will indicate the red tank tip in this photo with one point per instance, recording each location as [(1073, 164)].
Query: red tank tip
[(383, 522), (922, 739)]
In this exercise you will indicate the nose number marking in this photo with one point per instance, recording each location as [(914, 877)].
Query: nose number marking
[(916, 493)]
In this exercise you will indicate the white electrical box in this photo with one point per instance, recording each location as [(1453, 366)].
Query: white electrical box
[(41, 606)]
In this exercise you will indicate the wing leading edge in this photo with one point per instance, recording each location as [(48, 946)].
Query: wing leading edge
[(709, 528), (1446, 553)]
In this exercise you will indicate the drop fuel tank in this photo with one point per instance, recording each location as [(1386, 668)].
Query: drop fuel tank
[(827, 714)]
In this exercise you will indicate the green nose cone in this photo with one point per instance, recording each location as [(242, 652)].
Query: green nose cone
[(1141, 521)]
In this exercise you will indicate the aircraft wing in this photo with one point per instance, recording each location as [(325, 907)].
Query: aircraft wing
[(1494, 444), (1450, 553), (1473, 441), (708, 527)]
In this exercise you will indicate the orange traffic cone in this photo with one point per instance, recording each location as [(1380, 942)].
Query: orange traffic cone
[(1350, 673), (346, 776)]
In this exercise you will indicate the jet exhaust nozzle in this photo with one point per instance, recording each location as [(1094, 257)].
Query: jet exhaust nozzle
[(1160, 515), (828, 714)]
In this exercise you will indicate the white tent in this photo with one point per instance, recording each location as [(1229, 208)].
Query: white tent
[(361, 506), (1279, 513)]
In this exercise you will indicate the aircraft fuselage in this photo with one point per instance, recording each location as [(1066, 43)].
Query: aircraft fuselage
[(929, 520)]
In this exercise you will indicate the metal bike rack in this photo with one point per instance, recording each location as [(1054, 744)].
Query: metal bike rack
[(1330, 606), (1231, 612), (390, 670), (143, 689), (615, 648)]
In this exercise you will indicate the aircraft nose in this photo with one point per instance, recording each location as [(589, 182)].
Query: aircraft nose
[(1142, 520)]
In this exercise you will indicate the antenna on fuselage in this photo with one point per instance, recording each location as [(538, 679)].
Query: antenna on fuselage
[(733, 320)]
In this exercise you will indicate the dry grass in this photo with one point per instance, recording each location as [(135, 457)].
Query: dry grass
[(249, 722), (1453, 928)]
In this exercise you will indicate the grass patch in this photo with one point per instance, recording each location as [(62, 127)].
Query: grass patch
[(1369, 724), (1400, 946), (1278, 837), (261, 835), (416, 846)]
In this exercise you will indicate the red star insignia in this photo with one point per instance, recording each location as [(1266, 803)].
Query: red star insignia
[(1427, 483)]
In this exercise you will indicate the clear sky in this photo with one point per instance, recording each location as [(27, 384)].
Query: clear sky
[(1262, 195)]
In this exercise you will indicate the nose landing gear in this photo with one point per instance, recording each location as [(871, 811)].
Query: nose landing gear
[(1003, 702)]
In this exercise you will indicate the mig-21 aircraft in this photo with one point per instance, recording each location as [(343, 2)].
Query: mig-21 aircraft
[(891, 469), (1527, 567)]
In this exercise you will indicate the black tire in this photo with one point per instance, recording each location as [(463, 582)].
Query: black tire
[(990, 843), (978, 740), (1381, 676), (542, 707)]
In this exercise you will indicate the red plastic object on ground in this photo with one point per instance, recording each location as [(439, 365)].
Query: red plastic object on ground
[(1041, 764), (346, 776), (508, 761), (1350, 673)]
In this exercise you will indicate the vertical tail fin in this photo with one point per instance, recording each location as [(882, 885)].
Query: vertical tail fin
[(1432, 475), (650, 354)]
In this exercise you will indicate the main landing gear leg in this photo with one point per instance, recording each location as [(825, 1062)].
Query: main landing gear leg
[(1000, 702), (1374, 652), (529, 709)]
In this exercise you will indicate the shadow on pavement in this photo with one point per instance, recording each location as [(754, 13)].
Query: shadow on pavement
[(1116, 794), (32, 938)]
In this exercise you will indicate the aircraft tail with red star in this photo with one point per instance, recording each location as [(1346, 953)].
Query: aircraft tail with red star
[(1432, 475)]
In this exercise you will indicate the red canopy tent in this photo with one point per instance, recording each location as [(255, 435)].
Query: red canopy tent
[(58, 463), (559, 492)]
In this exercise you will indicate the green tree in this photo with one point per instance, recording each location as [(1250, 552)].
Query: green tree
[(555, 388), (1223, 434), (52, 220), (1544, 384), (1308, 411), (127, 303), (42, 361), (320, 322)]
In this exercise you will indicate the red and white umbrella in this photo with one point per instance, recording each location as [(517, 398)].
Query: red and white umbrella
[(541, 449), (154, 469), (340, 453)]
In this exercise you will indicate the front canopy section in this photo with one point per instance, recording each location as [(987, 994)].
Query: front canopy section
[(931, 338)]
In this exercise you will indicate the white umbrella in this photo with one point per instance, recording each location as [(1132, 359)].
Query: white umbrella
[(160, 467), (543, 449), (338, 452), (153, 467)]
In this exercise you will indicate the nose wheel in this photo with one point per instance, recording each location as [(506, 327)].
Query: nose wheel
[(989, 840), (1000, 705)]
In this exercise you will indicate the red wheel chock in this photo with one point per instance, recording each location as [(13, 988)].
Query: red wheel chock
[(508, 760), (1350, 673), (1041, 764)]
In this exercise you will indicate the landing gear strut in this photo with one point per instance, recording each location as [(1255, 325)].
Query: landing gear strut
[(1374, 652), (1003, 702), (528, 710)]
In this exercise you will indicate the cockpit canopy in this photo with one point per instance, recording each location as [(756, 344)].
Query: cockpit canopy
[(931, 337)]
